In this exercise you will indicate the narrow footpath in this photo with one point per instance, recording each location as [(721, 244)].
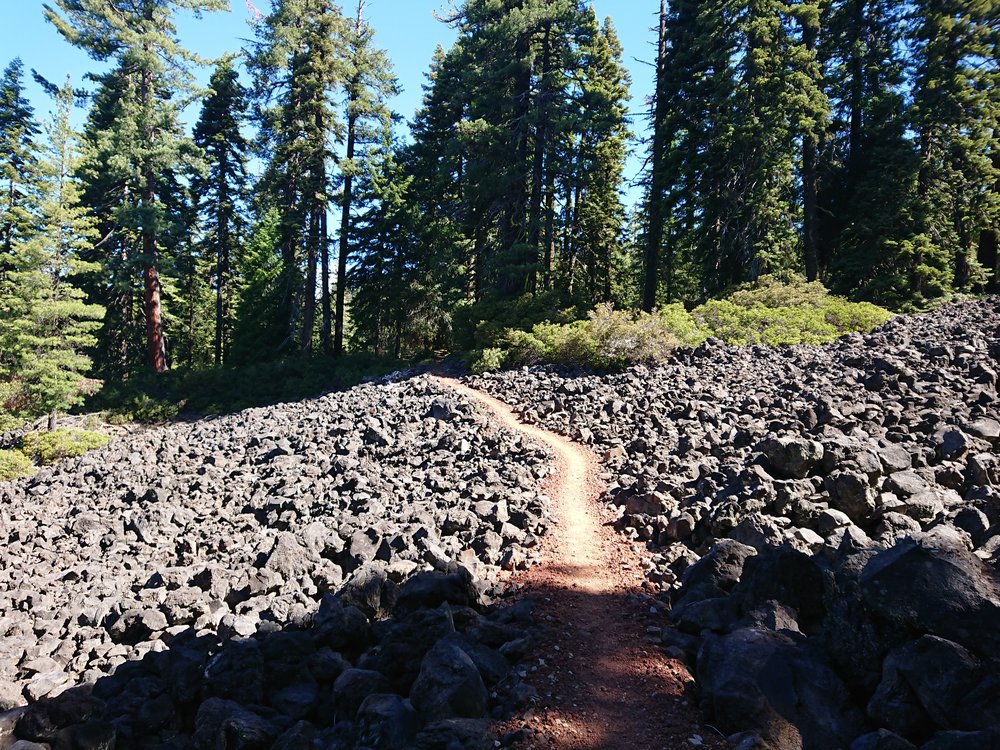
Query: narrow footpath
[(602, 682)]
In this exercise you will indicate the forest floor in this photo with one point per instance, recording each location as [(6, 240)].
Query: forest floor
[(601, 682)]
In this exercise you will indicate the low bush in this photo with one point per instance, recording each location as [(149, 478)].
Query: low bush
[(49, 447), (773, 311), (14, 464), (785, 313), (141, 407), (486, 360), (484, 324), (608, 339)]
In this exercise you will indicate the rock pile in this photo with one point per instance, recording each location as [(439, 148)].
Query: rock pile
[(426, 679), (800, 503), (239, 526)]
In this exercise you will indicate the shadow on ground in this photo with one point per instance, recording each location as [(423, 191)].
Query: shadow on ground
[(432, 676)]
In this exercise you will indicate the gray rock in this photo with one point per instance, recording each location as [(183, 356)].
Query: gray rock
[(774, 684), (792, 457), (943, 592), (950, 443), (963, 741), (450, 734), (386, 722), (851, 493), (449, 686), (883, 739)]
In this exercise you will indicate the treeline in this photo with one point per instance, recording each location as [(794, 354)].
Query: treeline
[(852, 140)]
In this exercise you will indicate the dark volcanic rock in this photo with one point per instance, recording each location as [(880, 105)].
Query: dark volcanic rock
[(779, 685), (449, 686), (949, 593)]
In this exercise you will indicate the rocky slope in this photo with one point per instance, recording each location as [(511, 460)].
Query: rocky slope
[(145, 564), (825, 522)]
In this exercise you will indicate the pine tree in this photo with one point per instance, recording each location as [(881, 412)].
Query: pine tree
[(298, 62), (260, 291), (955, 116), (656, 192), (603, 136), (18, 131), (740, 114), (139, 35), (222, 190), (868, 163), (436, 163), (369, 83), (108, 192), (46, 324), (389, 309)]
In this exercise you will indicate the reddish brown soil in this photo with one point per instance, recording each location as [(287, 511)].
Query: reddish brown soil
[(602, 682)]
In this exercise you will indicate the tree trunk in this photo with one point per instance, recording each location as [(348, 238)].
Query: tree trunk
[(657, 190), (155, 346), (345, 229), (857, 93), (309, 303), (541, 144), (324, 249), (345, 215), (550, 229), (810, 180), (222, 271), (513, 271)]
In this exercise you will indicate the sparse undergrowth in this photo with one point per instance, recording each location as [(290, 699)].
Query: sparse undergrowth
[(224, 390), (14, 464), (771, 312), (48, 447)]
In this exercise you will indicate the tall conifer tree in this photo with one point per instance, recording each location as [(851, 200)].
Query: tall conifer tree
[(154, 69), (46, 325), (222, 190), (369, 82)]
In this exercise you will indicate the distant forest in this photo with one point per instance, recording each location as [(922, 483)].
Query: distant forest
[(851, 141)]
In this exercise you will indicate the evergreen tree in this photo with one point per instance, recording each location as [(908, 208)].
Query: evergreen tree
[(740, 109), (298, 62), (517, 155), (18, 131), (368, 84), (389, 310), (436, 163), (603, 136), (868, 164), (955, 116), (260, 290), (222, 190), (656, 195), (46, 325), (139, 35)]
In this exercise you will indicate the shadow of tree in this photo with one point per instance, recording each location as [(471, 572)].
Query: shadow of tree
[(344, 680)]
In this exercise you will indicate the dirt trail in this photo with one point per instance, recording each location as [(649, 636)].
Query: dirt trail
[(601, 683)]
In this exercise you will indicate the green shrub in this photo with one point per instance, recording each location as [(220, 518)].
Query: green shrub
[(607, 339), (223, 390), (49, 447), (677, 319), (485, 324), (142, 407), (782, 313), (14, 464), (487, 360), (774, 311)]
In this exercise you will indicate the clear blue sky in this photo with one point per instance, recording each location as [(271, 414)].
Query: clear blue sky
[(406, 29)]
